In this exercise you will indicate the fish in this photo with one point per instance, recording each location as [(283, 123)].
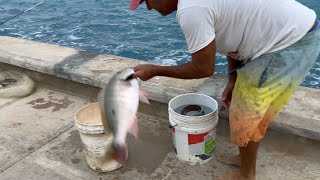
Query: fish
[(119, 101)]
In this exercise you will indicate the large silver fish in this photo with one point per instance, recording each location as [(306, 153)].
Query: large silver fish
[(119, 102)]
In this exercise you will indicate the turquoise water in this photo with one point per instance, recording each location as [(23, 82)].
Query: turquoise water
[(106, 26)]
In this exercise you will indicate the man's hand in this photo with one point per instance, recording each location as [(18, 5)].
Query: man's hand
[(145, 71), (227, 94)]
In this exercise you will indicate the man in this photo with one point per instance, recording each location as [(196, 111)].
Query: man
[(270, 46)]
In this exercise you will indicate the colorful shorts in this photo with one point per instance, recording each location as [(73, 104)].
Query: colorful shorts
[(265, 85)]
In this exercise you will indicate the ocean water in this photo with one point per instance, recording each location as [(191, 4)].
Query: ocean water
[(109, 27)]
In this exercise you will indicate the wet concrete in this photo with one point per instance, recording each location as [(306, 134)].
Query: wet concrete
[(45, 145), (56, 104)]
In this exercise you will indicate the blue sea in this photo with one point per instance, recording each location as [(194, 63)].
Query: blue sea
[(108, 26)]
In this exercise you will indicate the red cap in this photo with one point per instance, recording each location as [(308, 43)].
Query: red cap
[(135, 3)]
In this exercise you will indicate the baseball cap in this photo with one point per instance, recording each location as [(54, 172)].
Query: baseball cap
[(135, 3)]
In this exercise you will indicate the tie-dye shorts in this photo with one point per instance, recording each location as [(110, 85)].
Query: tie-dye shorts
[(265, 85)]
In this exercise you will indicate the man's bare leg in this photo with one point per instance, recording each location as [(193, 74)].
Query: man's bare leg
[(248, 156), (248, 159)]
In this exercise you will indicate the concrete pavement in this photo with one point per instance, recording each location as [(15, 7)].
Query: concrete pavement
[(39, 141)]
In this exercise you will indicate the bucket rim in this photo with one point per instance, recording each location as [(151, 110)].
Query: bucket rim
[(75, 115), (213, 111), (184, 124)]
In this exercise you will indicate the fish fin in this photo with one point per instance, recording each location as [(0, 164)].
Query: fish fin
[(143, 96), (120, 153), (134, 130)]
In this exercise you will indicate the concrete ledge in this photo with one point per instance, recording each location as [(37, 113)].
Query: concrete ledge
[(301, 116)]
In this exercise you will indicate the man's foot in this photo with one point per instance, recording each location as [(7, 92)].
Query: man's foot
[(233, 175), (229, 159)]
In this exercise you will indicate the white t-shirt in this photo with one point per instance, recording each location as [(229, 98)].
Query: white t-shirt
[(245, 29)]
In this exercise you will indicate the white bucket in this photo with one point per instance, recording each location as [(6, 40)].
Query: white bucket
[(96, 141), (194, 136)]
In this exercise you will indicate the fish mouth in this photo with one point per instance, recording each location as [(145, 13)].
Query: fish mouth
[(130, 77), (126, 74)]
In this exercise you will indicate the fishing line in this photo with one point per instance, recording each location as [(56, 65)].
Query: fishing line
[(23, 12)]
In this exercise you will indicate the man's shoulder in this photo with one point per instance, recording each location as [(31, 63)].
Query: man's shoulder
[(194, 11), (194, 15), (193, 8)]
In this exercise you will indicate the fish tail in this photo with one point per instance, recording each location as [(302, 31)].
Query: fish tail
[(120, 153)]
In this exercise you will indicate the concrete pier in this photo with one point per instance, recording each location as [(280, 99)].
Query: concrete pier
[(39, 141)]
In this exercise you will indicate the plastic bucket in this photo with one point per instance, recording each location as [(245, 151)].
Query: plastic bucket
[(96, 141), (193, 136)]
